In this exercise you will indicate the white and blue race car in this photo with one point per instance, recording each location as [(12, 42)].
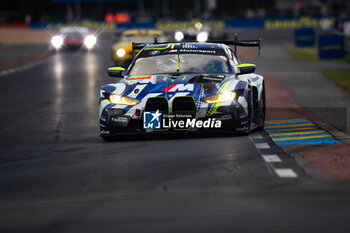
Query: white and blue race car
[(183, 87)]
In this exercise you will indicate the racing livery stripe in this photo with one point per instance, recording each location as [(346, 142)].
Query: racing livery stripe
[(215, 106), (169, 87), (139, 77)]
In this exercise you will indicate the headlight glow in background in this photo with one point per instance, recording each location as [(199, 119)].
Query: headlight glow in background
[(121, 52), (202, 37), (57, 41), (179, 36), (90, 41)]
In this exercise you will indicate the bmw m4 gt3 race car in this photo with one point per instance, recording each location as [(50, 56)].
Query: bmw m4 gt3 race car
[(183, 87)]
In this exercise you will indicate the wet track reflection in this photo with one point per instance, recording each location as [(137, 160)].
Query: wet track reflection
[(57, 175)]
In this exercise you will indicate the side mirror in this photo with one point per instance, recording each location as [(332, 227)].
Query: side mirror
[(116, 72), (246, 69)]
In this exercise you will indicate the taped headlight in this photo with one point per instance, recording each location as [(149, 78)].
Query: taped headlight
[(119, 99), (223, 97)]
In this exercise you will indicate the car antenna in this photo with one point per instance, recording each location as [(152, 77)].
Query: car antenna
[(178, 58)]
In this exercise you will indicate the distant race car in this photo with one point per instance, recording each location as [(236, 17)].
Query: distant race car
[(74, 38), (200, 32), (183, 87), (122, 49)]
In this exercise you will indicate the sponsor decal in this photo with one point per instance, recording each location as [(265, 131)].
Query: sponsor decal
[(204, 51), (154, 52), (155, 120), (242, 129), (151, 120), (225, 117), (218, 79), (179, 87), (210, 123), (104, 132), (122, 121)]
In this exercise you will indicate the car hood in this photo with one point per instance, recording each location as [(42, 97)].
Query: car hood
[(201, 84)]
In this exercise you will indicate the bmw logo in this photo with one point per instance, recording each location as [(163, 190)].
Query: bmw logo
[(154, 52)]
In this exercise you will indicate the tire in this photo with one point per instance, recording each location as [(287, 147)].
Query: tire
[(247, 132), (263, 110)]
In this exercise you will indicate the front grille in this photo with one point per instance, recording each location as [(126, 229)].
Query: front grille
[(184, 105), (157, 103), (184, 108)]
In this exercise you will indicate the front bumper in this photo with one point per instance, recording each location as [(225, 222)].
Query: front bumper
[(120, 124)]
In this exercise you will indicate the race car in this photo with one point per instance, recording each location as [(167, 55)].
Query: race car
[(183, 87), (198, 32), (73, 38), (122, 49)]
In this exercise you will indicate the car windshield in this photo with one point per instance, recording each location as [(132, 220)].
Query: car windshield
[(73, 35), (141, 39), (188, 63)]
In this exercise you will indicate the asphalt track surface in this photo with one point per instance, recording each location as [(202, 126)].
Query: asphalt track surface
[(57, 175)]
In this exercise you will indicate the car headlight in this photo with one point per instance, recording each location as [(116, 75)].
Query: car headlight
[(124, 100), (202, 37), (57, 41), (90, 41), (179, 36), (121, 52), (223, 97)]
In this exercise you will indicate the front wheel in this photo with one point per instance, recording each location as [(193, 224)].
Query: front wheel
[(262, 110), (246, 132)]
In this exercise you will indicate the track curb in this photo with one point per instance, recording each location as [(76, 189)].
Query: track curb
[(341, 136)]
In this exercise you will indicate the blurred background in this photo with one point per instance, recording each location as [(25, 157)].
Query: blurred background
[(63, 11)]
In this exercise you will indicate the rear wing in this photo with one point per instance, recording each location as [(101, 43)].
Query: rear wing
[(235, 43), (241, 43)]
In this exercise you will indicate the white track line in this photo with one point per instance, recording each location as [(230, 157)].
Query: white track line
[(257, 136), (272, 158), (285, 173), (260, 146), (269, 159)]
